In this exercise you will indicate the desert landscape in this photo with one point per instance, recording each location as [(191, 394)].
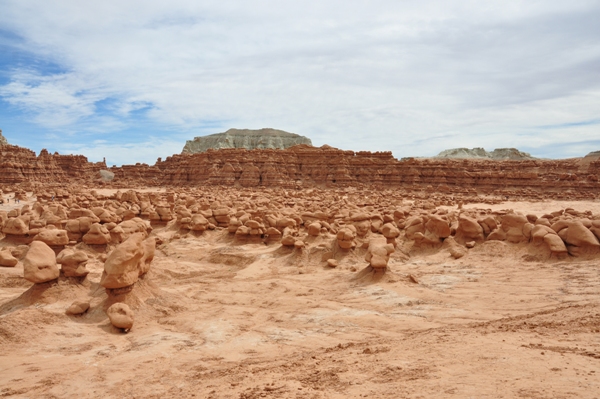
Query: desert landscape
[(300, 272)]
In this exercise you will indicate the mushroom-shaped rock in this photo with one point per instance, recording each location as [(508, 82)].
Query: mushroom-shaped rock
[(513, 225), (437, 226), (16, 226), (288, 241), (314, 229), (390, 231), (39, 264), (555, 243), (198, 223), (7, 259), (413, 226), (468, 230), (273, 234), (53, 237), (378, 253), (97, 235), (362, 227), (73, 262), (121, 268), (120, 316), (78, 307), (346, 236), (135, 225)]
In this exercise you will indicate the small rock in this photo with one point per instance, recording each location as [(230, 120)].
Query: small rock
[(332, 263), (470, 244), (120, 316), (78, 307)]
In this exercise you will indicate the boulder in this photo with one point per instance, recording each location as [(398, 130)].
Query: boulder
[(437, 226), (122, 267), (198, 223), (7, 259), (468, 230), (78, 307), (16, 226), (73, 262), (378, 253), (314, 229), (120, 316), (346, 236), (97, 235), (39, 264), (53, 237)]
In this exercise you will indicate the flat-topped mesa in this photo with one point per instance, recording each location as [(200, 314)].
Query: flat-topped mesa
[(593, 154), (480, 153), (246, 139)]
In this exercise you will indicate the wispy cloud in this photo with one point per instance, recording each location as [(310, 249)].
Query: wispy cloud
[(413, 77)]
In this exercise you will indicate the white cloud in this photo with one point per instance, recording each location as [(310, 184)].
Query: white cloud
[(416, 77)]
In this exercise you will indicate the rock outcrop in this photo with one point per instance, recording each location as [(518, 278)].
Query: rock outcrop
[(480, 153), (3, 140), (246, 139)]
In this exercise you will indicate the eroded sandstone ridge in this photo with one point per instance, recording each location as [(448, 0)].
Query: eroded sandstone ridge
[(304, 166), (21, 165), (245, 138)]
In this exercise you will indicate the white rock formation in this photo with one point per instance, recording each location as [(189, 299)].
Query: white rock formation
[(480, 153), (245, 138)]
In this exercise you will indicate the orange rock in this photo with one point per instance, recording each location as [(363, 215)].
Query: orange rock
[(39, 264)]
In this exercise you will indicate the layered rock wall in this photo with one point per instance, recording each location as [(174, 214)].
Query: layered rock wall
[(246, 139), (306, 166), (18, 165)]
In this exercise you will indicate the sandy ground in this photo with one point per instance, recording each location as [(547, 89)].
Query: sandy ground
[(216, 318)]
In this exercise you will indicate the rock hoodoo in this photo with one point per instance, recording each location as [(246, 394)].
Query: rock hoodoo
[(245, 138)]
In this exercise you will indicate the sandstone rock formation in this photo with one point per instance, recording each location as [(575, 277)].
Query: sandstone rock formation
[(120, 316), (246, 139), (73, 262), (304, 166), (39, 264), (128, 262), (78, 307)]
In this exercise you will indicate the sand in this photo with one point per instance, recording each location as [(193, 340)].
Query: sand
[(216, 318)]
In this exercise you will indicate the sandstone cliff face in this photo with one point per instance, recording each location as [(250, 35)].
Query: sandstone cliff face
[(246, 139), (18, 165), (306, 166)]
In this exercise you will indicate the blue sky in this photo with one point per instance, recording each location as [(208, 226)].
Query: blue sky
[(131, 82)]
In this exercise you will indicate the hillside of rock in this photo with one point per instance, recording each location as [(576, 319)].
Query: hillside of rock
[(246, 139), (480, 153)]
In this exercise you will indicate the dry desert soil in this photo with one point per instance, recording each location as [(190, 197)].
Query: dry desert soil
[(216, 317)]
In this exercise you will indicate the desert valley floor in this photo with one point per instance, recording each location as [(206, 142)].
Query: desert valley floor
[(222, 317)]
